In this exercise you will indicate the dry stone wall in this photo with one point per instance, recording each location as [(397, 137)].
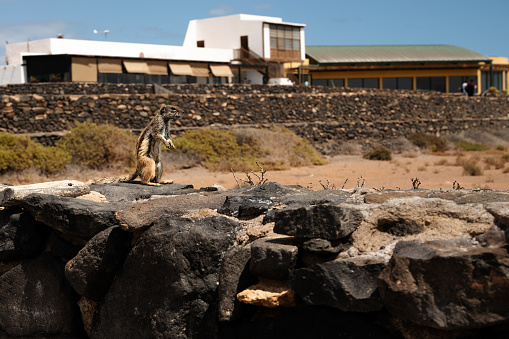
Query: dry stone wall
[(322, 115), (126, 260)]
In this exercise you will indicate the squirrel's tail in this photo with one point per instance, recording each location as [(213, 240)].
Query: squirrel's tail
[(109, 180)]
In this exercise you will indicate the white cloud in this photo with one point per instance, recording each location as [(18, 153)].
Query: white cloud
[(222, 10)]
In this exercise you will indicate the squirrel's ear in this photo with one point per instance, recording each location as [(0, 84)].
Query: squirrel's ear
[(163, 109)]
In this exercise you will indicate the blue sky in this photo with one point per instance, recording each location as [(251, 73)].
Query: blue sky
[(477, 25)]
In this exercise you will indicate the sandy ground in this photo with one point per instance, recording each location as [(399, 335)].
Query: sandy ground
[(433, 171)]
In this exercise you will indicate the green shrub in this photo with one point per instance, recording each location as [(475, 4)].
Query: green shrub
[(273, 148), (15, 152), (18, 153), (219, 149), (501, 148), (96, 146), (378, 153), (469, 146), (428, 141), (50, 159)]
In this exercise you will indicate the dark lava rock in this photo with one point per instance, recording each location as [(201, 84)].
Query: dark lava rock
[(347, 284), (448, 284), (273, 257), (482, 197), (144, 214), (308, 198), (234, 277), (37, 301), (245, 207), (20, 235), (93, 269), (321, 221), (310, 322), (132, 191), (399, 226), (315, 251), (168, 285), (62, 247), (270, 190), (73, 216)]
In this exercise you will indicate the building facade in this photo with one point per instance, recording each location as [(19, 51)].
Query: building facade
[(440, 68), (237, 48)]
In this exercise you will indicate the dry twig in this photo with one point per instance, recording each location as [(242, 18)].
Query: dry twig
[(415, 183), (261, 178)]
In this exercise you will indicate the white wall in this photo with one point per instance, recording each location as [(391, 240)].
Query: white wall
[(11, 74), (225, 32), (252, 77), (116, 49)]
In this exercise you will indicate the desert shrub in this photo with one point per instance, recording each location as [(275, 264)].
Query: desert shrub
[(428, 141), (495, 161), (472, 169), (97, 146), (281, 148), (50, 159), (219, 149), (501, 148), (273, 148), (470, 146), (18, 153), (378, 153)]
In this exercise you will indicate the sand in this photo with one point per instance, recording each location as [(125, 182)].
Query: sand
[(433, 172)]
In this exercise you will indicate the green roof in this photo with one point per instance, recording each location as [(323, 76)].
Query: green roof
[(392, 54)]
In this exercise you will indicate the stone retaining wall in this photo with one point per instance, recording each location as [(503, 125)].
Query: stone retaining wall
[(272, 261), (320, 114)]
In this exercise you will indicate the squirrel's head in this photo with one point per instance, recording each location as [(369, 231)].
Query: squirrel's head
[(172, 112)]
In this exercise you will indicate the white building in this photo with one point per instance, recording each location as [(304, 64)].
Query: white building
[(236, 48)]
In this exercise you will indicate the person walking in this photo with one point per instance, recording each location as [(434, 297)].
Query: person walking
[(470, 88), (464, 88)]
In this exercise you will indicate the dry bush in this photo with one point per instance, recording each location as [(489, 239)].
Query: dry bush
[(472, 169), (19, 152), (428, 142), (494, 161), (274, 148), (281, 148), (494, 139), (378, 153), (99, 146)]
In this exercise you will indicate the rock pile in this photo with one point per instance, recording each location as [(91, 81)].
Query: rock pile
[(128, 260)]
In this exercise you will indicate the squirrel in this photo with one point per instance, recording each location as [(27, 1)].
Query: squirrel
[(148, 148)]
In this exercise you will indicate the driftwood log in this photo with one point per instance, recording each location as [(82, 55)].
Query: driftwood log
[(14, 195)]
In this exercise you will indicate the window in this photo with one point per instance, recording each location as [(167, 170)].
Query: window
[(200, 44), (363, 83), (431, 84), (487, 82), (48, 68), (397, 83), (456, 83), (285, 38), (328, 82)]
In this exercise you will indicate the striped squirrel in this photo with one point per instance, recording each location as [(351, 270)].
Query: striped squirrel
[(148, 148)]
